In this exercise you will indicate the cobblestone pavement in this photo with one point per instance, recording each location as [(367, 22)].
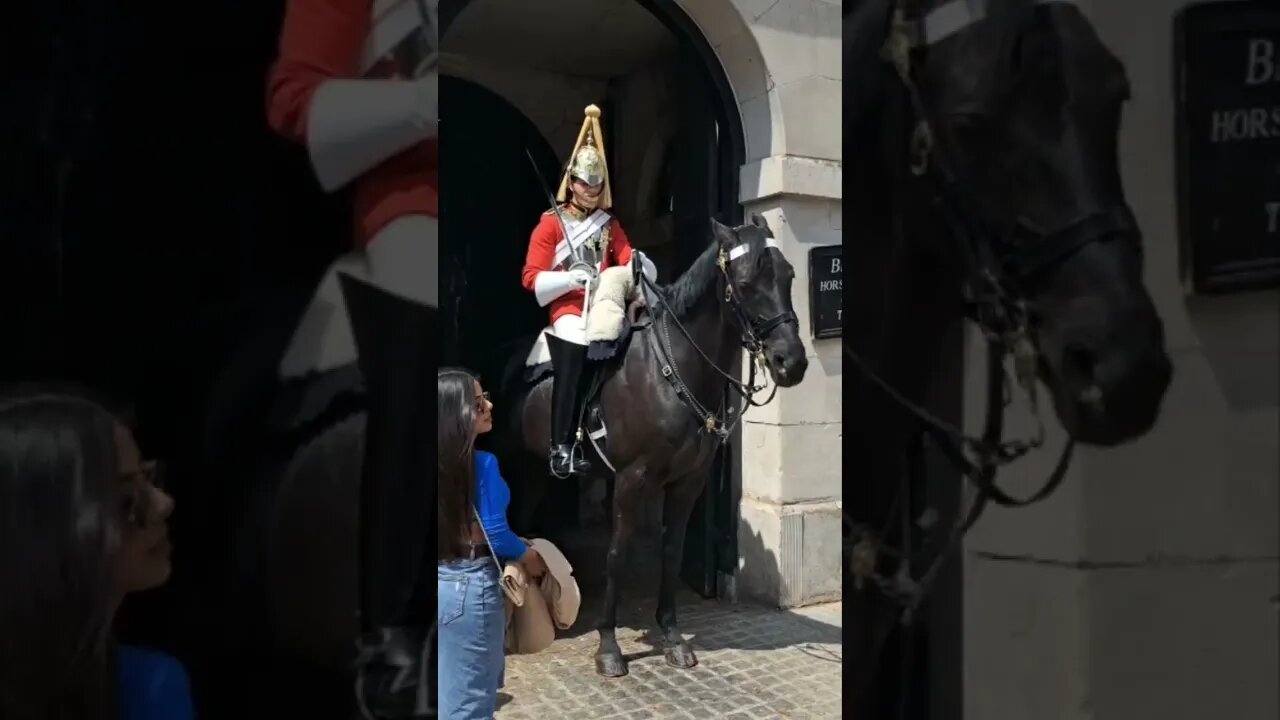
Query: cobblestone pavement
[(753, 662)]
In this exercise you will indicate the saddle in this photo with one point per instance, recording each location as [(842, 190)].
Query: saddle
[(610, 352), (619, 309)]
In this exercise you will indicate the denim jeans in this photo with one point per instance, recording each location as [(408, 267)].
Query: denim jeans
[(472, 625)]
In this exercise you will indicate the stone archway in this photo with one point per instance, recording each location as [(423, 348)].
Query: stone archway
[(722, 29)]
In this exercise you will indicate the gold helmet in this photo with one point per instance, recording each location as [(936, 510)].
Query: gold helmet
[(587, 162)]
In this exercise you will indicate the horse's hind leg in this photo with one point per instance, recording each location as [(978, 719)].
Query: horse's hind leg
[(676, 507), (626, 507)]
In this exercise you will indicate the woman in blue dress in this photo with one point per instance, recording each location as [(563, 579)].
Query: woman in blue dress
[(82, 525), (472, 526)]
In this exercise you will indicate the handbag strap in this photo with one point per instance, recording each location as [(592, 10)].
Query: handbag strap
[(488, 544)]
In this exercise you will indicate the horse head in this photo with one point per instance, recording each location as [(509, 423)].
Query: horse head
[(758, 279), (1023, 107)]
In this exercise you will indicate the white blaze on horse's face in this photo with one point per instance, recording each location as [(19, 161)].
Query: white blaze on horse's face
[(761, 278)]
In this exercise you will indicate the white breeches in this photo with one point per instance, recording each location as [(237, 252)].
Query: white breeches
[(403, 258), (572, 328)]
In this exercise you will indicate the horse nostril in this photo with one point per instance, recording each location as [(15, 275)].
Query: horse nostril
[(1080, 362)]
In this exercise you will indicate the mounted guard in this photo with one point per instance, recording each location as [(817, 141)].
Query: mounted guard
[(574, 241), (357, 83)]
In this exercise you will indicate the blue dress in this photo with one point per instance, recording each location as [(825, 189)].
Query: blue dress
[(152, 686)]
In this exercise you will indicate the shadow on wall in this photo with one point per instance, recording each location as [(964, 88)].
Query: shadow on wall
[(758, 579)]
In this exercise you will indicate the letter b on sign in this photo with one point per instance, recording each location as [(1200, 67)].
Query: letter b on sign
[(1262, 62)]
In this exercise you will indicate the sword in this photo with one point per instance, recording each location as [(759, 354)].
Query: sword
[(555, 210)]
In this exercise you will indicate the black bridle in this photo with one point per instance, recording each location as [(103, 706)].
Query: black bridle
[(997, 269), (752, 335)]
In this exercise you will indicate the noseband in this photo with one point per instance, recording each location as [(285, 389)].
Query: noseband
[(752, 335), (997, 269)]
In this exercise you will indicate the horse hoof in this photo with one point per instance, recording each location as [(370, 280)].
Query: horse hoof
[(610, 665), (680, 655)]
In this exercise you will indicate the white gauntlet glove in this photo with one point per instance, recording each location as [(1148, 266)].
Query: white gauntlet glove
[(551, 284), (646, 265), (353, 125)]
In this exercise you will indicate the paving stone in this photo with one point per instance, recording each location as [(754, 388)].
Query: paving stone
[(753, 663)]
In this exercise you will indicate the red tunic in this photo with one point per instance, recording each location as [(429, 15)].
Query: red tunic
[(542, 255), (322, 40)]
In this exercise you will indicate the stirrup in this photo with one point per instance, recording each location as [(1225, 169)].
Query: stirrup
[(573, 458)]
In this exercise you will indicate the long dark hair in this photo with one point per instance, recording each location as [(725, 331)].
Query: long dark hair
[(60, 526), (455, 457)]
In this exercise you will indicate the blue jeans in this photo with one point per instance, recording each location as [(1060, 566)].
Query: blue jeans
[(472, 625)]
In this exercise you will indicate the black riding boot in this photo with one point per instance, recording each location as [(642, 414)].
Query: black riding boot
[(396, 339), (568, 360)]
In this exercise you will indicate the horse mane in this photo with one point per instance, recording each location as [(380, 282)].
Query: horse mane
[(694, 284)]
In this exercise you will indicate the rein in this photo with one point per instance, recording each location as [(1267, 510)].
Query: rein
[(751, 340), (996, 269)]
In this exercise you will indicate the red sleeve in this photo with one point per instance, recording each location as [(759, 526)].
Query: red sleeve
[(542, 250), (320, 40), (619, 245)]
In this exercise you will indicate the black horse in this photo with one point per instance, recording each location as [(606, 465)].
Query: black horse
[(984, 184), (661, 404)]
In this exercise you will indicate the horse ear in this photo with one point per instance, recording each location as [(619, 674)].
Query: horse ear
[(722, 233), (758, 220)]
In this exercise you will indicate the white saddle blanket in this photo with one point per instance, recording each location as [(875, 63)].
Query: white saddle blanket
[(614, 291)]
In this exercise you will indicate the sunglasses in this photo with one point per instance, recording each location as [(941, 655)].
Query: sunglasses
[(137, 502)]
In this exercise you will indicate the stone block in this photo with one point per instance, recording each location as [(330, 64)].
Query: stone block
[(791, 175), (813, 109), (791, 463), (1023, 650), (789, 555), (800, 39), (744, 65), (816, 399), (762, 125), (1184, 642)]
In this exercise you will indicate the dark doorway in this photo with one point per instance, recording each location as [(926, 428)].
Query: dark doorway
[(491, 205)]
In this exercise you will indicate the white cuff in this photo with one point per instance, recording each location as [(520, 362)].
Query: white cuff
[(353, 125), (646, 265), (549, 285)]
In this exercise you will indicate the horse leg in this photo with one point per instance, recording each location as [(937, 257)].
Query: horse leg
[(626, 506), (677, 504)]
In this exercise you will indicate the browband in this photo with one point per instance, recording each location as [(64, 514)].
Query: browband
[(951, 17)]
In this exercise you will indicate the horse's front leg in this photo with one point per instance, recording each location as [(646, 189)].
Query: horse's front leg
[(677, 505), (626, 507)]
